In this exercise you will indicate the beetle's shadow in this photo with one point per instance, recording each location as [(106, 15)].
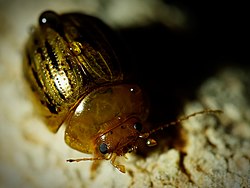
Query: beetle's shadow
[(171, 65)]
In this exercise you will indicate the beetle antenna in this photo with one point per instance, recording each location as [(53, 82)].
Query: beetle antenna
[(152, 142), (90, 159), (85, 159)]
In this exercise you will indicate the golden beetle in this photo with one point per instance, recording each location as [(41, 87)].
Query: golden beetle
[(72, 64)]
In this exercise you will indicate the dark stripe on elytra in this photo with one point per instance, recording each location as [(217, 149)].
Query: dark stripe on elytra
[(34, 72), (36, 78), (51, 55), (50, 104), (55, 64), (59, 92), (54, 84), (49, 79), (40, 51)]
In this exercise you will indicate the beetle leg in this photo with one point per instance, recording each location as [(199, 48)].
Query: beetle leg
[(94, 168), (121, 168)]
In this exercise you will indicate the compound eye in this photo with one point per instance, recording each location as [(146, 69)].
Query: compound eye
[(103, 148), (138, 126)]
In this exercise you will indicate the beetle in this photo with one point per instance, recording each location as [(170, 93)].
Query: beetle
[(72, 65)]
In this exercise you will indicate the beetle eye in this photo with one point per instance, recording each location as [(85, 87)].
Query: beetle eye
[(138, 126), (103, 148)]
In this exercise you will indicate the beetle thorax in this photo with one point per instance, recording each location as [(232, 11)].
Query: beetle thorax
[(108, 115)]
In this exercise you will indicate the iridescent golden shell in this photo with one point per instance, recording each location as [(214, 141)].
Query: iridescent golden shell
[(72, 64)]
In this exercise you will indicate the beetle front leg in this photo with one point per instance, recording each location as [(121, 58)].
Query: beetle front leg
[(120, 167)]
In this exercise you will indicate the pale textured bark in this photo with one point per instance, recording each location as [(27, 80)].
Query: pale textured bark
[(217, 152)]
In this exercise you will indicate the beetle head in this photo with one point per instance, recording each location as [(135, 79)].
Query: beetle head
[(120, 138)]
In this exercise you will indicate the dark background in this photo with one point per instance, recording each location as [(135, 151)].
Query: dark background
[(171, 64)]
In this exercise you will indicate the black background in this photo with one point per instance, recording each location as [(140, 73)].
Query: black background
[(171, 64)]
